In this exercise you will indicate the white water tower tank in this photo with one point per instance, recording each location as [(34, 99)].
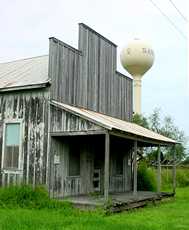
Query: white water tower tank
[(137, 58)]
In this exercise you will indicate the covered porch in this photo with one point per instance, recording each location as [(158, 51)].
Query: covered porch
[(106, 168), (78, 164)]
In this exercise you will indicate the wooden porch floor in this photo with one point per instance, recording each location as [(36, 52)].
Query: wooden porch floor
[(118, 201)]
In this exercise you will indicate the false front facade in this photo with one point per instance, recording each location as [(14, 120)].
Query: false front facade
[(65, 120)]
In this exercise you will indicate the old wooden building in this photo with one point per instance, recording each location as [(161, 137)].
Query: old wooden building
[(65, 120)]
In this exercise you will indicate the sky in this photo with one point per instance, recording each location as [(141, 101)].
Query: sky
[(27, 25)]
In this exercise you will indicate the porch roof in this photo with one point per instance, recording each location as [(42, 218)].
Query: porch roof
[(117, 126)]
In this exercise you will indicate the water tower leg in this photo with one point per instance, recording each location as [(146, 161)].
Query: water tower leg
[(137, 94)]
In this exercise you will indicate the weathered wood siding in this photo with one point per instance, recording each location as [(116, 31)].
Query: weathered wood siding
[(105, 90), (31, 107), (91, 150), (120, 148), (62, 121), (87, 77), (61, 183), (64, 72)]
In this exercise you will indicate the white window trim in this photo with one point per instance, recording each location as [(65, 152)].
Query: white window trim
[(12, 121)]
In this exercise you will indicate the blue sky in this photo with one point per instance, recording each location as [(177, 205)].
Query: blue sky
[(26, 26)]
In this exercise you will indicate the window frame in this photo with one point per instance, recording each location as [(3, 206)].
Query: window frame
[(12, 121)]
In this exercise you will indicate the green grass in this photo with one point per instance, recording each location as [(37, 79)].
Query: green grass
[(168, 215)]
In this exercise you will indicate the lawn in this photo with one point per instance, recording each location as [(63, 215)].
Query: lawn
[(168, 215)]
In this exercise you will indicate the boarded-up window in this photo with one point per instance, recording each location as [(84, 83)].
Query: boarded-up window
[(74, 161), (11, 145)]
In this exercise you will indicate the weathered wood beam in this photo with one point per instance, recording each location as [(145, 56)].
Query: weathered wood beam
[(135, 169), (159, 171), (27, 87), (174, 169), (149, 142), (107, 166), (78, 133)]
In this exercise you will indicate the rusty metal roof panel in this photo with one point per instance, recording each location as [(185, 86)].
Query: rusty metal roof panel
[(30, 71), (111, 123)]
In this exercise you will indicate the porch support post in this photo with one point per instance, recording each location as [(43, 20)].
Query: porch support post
[(106, 166), (135, 169), (174, 169), (159, 171)]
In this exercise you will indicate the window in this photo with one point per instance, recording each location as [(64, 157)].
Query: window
[(11, 146)]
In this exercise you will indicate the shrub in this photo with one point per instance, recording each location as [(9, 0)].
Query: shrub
[(146, 180), (26, 196)]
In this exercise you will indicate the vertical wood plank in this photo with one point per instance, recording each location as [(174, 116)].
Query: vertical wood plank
[(159, 171), (135, 169), (174, 169), (106, 166)]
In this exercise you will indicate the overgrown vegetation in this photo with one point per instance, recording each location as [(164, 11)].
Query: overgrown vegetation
[(148, 156), (169, 215), (146, 178), (182, 177), (24, 207), (26, 196)]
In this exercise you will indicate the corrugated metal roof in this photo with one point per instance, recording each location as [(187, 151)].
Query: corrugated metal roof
[(111, 123), (30, 71)]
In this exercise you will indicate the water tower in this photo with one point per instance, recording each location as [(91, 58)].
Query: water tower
[(137, 58)]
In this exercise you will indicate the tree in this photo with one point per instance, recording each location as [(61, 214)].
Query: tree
[(165, 127), (140, 120), (186, 161), (155, 121), (170, 130)]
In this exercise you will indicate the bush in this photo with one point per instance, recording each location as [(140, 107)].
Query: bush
[(146, 180), (26, 196)]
